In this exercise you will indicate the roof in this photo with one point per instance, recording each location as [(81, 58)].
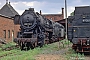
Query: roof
[(82, 10), (50, 14), (6, 16), (8, 10)]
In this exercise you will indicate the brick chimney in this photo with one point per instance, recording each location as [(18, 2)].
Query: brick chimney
[(63, 12), (6, 1), (9, 2), (40, 12)]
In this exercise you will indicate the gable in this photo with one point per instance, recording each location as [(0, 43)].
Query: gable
[(8, 10)]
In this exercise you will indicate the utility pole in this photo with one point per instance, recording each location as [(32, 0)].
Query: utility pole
[(66, 17)]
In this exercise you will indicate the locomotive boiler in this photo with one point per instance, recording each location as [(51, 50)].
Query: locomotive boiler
[(35, 30), (79, 29)]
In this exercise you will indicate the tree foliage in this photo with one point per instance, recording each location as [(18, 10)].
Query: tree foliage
[(72, 14)]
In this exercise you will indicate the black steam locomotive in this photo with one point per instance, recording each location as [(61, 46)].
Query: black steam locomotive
[(36, 30), (79, 29)]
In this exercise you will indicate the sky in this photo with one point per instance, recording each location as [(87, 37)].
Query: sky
[(46, 6)]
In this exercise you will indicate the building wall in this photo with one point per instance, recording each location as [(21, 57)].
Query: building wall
[(7, 28), (54, 17), (16, 30)]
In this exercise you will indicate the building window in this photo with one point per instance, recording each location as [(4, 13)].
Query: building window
[(51, 19), (55, 18), (4, 32), (8, 33), (12, 35)]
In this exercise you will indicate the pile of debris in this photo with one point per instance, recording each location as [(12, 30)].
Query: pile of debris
[(2, 41)]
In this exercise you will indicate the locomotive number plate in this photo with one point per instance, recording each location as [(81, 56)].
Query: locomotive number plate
[(27, 23), (86, 20)]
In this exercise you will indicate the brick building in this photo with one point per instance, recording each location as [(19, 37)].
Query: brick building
[(54, 17), (8, 30)]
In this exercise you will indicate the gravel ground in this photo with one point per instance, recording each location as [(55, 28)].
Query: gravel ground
[(52, 54), (49, 57), (56, 54), (87, 56)]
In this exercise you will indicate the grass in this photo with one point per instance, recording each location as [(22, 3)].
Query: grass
[(8, 45), (72, 55), (65, 42), (20, 55), (17, 54)]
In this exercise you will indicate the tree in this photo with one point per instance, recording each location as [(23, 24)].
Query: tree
[(72, 14)]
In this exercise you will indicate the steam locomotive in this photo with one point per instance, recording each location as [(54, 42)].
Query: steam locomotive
[(36, 30), (79, 29)]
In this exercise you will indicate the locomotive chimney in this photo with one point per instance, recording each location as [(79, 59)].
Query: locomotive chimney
[(63, 12), (31, 9), (40, 12)]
